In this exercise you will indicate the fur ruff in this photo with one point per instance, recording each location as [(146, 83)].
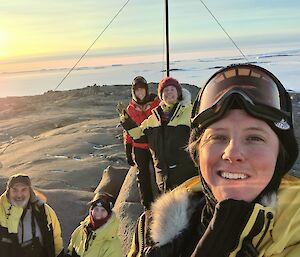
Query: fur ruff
[(170, 216), (172, 211)]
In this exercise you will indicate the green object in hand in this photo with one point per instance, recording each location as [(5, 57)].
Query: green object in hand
[(121, 108)]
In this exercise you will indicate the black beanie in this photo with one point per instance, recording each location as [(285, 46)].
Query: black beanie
[(104, 200)]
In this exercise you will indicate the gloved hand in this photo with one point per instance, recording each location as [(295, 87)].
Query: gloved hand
[(128, 149), (121, 108), (125, 120), (224, 230)]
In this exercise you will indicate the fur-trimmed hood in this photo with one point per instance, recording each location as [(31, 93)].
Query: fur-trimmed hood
[(186, 97), (170, 215), (172, 212), (171, 223)]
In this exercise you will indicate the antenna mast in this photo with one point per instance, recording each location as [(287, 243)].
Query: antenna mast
[(167, 37)]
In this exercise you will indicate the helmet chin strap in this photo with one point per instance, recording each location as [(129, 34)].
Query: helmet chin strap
[(211, 200)]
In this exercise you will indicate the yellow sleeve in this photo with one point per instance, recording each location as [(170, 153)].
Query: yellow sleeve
[(114, 249), (151, 122), (52, 219), (73, 239), (292, 251), (136, 133)]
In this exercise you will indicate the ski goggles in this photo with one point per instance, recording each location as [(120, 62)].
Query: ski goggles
[(258, 90), (101, 203)]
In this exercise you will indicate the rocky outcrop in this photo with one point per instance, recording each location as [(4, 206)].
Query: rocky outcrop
[(128, 208), (112, 180)]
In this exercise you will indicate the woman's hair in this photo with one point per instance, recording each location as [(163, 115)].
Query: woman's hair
[(193, 146)]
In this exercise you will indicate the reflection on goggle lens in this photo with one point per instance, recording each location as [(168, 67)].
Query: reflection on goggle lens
[(261, 91), (257, 85)]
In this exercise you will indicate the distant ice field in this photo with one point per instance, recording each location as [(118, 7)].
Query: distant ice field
[(285, 65)]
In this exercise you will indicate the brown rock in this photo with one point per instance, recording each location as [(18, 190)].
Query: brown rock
[(112, 180)]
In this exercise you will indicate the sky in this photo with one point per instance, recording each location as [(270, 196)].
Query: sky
[(53, 34)]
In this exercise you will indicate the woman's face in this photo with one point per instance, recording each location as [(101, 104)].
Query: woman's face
[(140, 93), (237, 156), (99, 213), (170, 95)]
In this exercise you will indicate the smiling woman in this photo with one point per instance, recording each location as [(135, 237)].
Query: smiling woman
[(238, 162), (243, 142)]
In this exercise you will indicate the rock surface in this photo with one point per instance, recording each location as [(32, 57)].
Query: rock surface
[(65, 140)]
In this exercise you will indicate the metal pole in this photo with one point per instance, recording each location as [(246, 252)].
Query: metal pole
[(167, 37)]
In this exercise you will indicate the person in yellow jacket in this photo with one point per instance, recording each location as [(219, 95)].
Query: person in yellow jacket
[(97, 234), (242, 204), (28, 226), (167, 131)]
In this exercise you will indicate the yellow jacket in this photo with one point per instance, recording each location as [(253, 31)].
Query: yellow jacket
[(50, 228), (283, 236), (104, 242), (280, 234), (167, 143)]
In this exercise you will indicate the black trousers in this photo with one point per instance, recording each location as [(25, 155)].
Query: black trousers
[(142, 158)]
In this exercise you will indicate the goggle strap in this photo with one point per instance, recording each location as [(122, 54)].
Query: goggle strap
[(258, 110)]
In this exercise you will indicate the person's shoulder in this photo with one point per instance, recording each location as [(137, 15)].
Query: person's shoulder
[(289, 191), (290, 181), (3, 202), (193, 184), (50, 212), (3, 198), (287, 215), (131, 104)]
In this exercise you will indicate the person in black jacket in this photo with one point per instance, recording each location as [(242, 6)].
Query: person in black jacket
[(139, 109), (242, 204), (167, 130)]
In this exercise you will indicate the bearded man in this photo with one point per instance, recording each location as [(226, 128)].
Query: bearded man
[(28, 226)]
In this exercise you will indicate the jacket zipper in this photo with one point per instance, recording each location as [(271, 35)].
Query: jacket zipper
[(269, 217)]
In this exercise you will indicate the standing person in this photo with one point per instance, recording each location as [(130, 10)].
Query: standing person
[(28, 226), (168, 131), (97, 234), (243, 203), (139, 109)]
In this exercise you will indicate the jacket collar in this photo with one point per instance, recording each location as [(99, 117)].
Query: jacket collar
[(170, 216), (171, 212)]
